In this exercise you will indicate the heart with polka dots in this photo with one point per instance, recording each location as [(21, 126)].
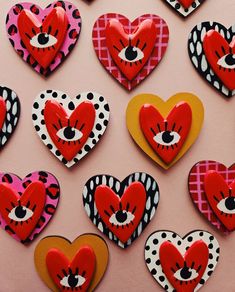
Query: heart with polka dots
[(43, 37), (70, 128), (181, 264), (185, 7), (121, 210)]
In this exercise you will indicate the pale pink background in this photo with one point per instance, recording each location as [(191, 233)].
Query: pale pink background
[(117, 154)]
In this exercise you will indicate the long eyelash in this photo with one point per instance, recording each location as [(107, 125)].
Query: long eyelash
[(222, 194), (137, 43), (159, 128), (166, 125), (152, 130), (116, 48), (217, 54), (223, 49), (144, 46), (122, 43), (179, 129), (230, 192), (56, 33), (216, 199), (82, 126), (49, 30)]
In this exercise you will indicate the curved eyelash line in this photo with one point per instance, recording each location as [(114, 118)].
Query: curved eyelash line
[(185, 265), (19, 204), (65, 274), (159, 130)]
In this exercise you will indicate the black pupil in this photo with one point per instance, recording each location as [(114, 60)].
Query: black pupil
[(43, 38), (130, 53), (72, 280), (230, 59), (69, 133), (19, 212), (167, 137), (121, 216), (230, 203), (185, 274)]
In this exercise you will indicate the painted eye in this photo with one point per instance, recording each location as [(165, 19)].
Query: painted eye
[(131, 54), (69, 134), (186, 274), (227, 61), (167, 138), (72, 281), (227, 205), (20, 214), (43, 40), (121, 218)]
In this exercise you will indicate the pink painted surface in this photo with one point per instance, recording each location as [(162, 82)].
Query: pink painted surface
[(117, 154)]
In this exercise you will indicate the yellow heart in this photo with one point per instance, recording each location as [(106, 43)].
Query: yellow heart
[(69, 249), (164, 107)]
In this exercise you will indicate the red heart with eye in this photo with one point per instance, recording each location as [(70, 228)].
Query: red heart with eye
[(184, 272), (220, 56), (130, 52), (43, 39), (71, 275), (166, 135), (121, 215), (221, 198), (69, 133), (186, 3), (22, 213), (3, 111)]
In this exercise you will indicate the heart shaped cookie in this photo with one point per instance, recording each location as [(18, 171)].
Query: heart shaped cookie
[(130, 51), (43, 37), (72, 266), (9, 114), (185, 7), (181, 264), (211, 49), (70, 128), (212, 189), (121, 210), (165, 130), (26, 206)]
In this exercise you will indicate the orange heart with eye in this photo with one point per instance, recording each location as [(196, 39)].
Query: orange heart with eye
[(43, 39), (221, 57), (165, 130)]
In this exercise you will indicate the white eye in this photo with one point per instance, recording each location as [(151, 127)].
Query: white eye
[(69, 134), (20, 213), (131, 54), (72, 281), (43, 40), (227, 205), (167, 138), (227, 61), (121, 218), (186, 274)]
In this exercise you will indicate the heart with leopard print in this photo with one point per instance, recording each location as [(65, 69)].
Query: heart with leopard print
[(121, 210), (70, 128), (27, 205), (43, 37), (185, 7), (211, 49), (130, 51), (9, 114), (181, 264)]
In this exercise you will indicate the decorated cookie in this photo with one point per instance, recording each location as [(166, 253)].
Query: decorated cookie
[(181, 264), (71, 266), (27, 205), (212, 189), (70, 128), (121, 210), (165, 130), (9, 114), (43, 37), (130, 51), (212, 51), (185, 7)]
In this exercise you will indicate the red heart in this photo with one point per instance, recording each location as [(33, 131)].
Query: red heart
[(130, 52), (43, 40), (166, 135), (74, 275), (221, 198), (3, 111), (121, 215), (184, 272), (22, 213), (69, 134), (220, 56), (186, 3)]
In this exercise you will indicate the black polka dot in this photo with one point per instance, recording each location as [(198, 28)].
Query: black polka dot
[(179, 242), (211, 238), (87, 148), (210, 266), (75, 160), (210, 256), (90, 96), (155, 241), (166, 287), (64, 160), (158, 263), (93, 141), (190, 238), (161, 278), (201, 233), (80, 152), (163, 235), (36, 105), (34, 117), (209, 273), (147, 247), (202, 281), (101, 99), (71, 106), (218, 250), (49, 146), (177, 6), (63, 96), (54, 94), (78, 96), (154, 252), (101, 115), (210, 246), (92, 135), (49, 91), (153, 272), (42, 95), (174, 235), (43, 137), (98, 127), (42, 122), (217, 259), (148, 261), (42, 112), (96, 106), (37, 128), (106, 107), (57, 153)]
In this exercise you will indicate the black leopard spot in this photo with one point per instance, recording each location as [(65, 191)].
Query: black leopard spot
[(7, 178), (73, 34), (17, 9), (53, 191), (34, 9), (50, 209), (12, 30)]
